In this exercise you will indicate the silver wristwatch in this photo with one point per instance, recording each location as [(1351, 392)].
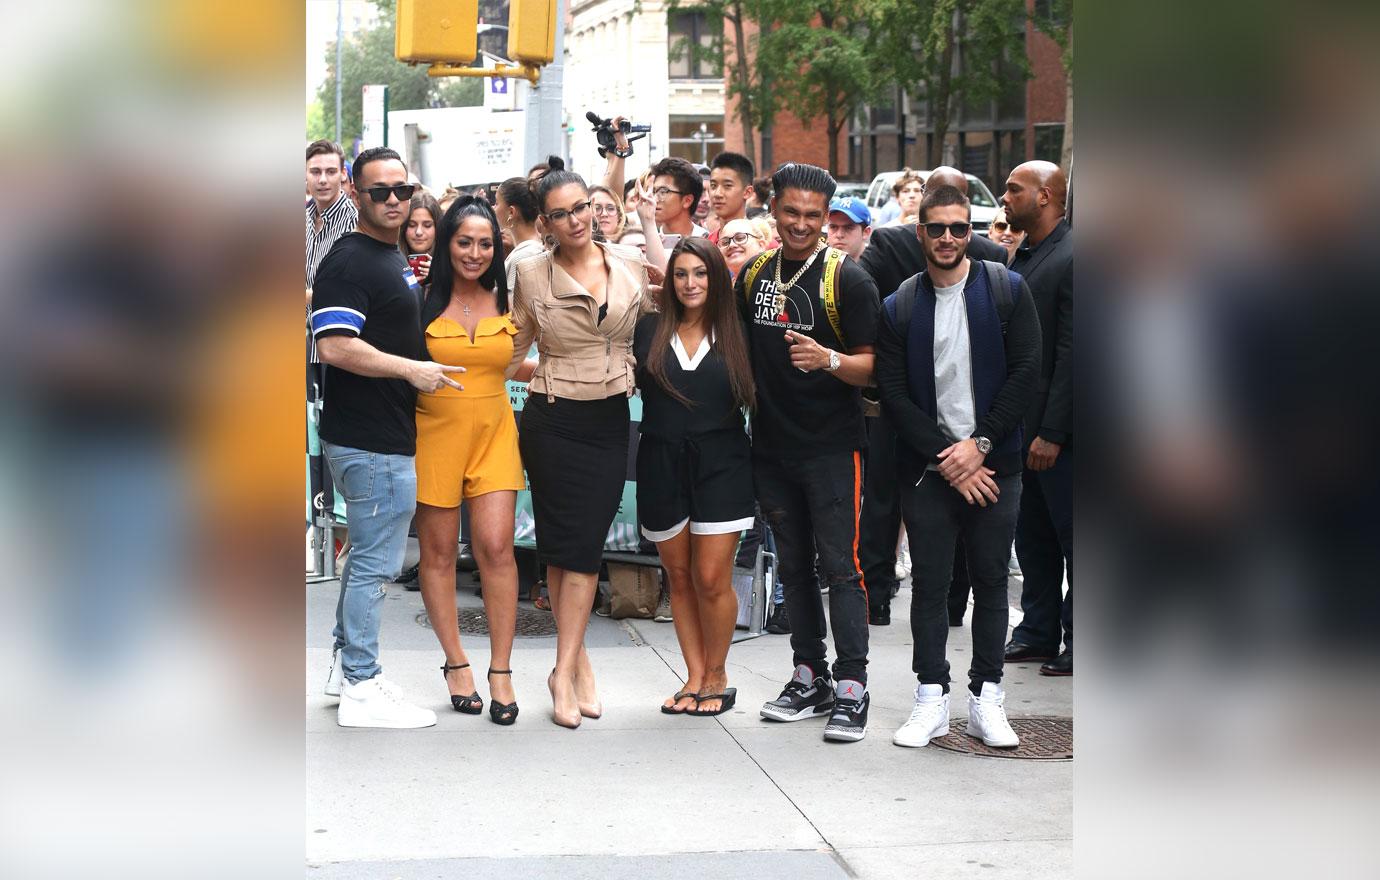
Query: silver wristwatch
[(983, 444), (833, 361)]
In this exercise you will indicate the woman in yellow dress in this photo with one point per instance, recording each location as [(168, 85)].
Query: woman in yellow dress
[(467, 449)]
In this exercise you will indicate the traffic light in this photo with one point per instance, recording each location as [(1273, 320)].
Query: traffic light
[(532, 31), (438, 30)]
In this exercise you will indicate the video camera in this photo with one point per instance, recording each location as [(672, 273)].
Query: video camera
[(603, 132)]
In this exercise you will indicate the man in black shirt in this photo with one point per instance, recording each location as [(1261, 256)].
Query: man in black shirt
[(811, 318), (367, 326)]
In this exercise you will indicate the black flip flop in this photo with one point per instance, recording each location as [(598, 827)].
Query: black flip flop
[(726, 701), (671, 710)]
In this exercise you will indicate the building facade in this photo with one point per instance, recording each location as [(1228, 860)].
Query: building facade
[(630, 57), (986, 138)]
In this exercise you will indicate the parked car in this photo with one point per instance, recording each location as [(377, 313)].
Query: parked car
[(855, 188), (984, 204)]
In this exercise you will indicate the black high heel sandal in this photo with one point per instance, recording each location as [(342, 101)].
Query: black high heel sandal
[(469, 705), (502, 713)]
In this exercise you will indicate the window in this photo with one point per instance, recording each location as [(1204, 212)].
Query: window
[(696, 138), (1049, 142), (693, 41), (1051, 11)]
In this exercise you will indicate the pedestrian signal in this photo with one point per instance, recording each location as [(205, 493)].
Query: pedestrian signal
[(532, 31), (437, 30)]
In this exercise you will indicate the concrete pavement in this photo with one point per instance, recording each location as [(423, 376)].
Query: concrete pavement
[(645, 795)]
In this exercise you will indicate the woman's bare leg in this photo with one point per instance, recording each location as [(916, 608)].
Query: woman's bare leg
[(711, 567), (491, 525), (438, 533), (685, 612)]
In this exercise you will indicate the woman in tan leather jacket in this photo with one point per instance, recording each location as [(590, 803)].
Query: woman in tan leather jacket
[(580, 303)]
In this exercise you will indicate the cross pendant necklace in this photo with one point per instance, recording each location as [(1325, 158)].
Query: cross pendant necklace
[(465, 307)]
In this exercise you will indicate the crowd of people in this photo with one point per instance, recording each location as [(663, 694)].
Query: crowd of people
[(842, 385)]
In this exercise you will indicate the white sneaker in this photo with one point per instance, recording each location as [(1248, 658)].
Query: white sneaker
[(336, 676), (379, 703), (987, 718), (929, 718), (903, 560)]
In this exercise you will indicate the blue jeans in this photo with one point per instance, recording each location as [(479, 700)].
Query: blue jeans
[(380, 493)]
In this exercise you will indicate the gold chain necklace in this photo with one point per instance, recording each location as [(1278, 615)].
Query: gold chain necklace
[(779, 300)]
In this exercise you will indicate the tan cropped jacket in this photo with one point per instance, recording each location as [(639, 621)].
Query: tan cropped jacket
[(579, 357)]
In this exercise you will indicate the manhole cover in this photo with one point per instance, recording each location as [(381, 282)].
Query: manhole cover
[(531, 623), (1042, 739)]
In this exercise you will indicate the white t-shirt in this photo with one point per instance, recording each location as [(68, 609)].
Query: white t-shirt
[(953, 364)]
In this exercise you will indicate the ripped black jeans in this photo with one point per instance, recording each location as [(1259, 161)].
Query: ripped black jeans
[(814, 503)]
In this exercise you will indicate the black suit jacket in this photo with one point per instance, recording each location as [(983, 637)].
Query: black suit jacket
[(893, 254), (1048, 270)]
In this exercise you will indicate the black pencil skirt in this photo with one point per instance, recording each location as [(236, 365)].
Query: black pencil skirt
[(576, 456)]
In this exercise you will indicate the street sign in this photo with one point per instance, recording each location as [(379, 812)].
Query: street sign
[(375, 113)]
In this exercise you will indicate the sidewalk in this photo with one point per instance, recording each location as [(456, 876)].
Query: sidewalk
[(638, 794)]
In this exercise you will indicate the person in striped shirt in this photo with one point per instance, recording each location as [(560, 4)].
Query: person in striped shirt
[(330, 212)]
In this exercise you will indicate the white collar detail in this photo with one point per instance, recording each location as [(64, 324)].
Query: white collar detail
[(687, 363)]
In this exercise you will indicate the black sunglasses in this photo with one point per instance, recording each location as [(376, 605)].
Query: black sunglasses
[(403, 191), (998, 225), (957, 230)]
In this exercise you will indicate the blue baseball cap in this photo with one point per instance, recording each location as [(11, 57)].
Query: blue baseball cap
[(854, 207)]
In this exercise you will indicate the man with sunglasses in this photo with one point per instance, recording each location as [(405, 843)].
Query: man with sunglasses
[(958, 358), (893, 254), (367, 326)]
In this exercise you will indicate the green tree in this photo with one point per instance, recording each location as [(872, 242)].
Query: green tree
[(749, 84), (952, 51), (317, 126), (827, 51), (368, 59)]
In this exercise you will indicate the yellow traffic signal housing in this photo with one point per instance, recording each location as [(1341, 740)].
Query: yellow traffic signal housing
[(437, 30), (532, 31)]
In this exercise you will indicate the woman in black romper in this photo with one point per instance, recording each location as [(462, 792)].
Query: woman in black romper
[(694, 462)]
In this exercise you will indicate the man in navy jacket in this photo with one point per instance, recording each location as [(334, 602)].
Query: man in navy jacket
[(958, 358)]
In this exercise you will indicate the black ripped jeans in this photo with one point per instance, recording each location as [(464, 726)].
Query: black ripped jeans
[(813, 503)]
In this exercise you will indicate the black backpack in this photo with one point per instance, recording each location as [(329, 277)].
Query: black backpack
[(998, 281)]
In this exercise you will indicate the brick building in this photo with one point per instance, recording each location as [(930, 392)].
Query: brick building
[(985, 138)]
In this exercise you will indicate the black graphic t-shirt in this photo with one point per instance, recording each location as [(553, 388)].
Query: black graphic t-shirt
[(806, 414), (365, 288)]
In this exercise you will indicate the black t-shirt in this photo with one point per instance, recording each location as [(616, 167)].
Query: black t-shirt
[(893, 254), (365, 288), (707, 386), (806, 414)]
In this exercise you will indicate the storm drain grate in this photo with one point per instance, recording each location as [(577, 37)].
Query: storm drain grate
[(531, 623), (1043, 738)]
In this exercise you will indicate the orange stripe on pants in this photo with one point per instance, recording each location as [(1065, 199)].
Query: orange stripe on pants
[(857, 516)]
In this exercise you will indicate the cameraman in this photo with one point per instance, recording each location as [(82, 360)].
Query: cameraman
[(614, 172)]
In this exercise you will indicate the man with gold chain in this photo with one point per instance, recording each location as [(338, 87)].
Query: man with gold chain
[(811, 318)]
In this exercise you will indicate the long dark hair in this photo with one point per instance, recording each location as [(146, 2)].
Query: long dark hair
[(443, 274), (721, 316), (433, 207)]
